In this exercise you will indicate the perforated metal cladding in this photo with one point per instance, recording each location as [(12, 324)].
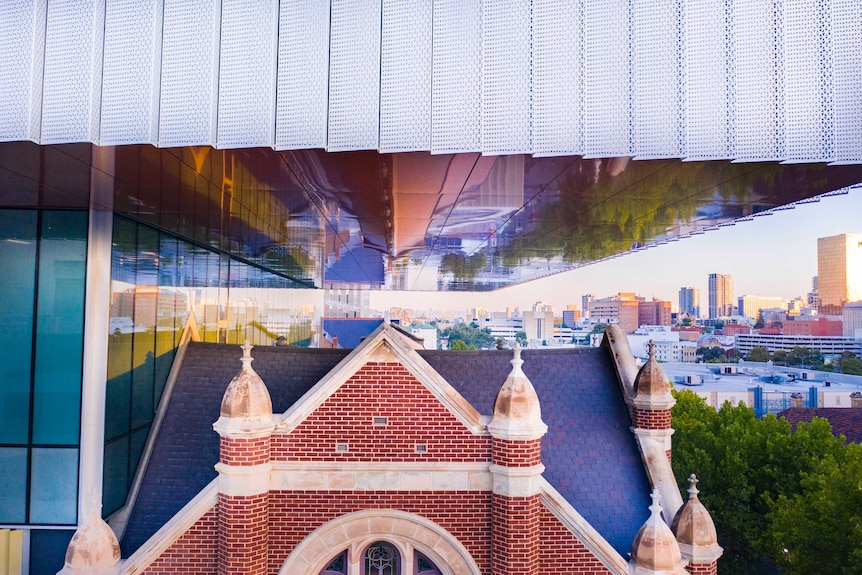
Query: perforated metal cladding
[(456, 107), (71, 93), (507, 77), (847, 80), (132, 72), (354, 75), (189, 90), (709, 65), (607, 78), (759, 80), (247, 72), (405, 76), (303, 75), (558, 80), (808, 80), (22, 36), (658, 73)]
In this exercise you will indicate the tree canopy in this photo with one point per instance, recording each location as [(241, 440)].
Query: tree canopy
[(791, 499), (758, 353), (469, 335)]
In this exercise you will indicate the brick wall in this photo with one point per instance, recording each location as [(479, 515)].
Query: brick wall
[(194, 553), (242, 452), (703, 568), (464, 514), (516, 535), (652, 418), (562, 553), (243, 534), (414, 416), (510, 453)]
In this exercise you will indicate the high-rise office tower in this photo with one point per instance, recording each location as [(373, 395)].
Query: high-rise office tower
[(689, 301), (720, 295), (585, 303), (839, 272)]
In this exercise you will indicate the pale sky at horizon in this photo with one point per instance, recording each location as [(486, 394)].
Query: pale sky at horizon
[(774, 255)]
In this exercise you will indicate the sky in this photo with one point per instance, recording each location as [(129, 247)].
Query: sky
[(774, 255)]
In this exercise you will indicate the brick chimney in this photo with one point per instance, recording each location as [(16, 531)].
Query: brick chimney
[(516, 430), (245, 426), (856, 399)]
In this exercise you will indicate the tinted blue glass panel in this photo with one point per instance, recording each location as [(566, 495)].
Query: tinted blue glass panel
[(116, 475), (13, 478), (17, 281), (54, 486), (59, 327)]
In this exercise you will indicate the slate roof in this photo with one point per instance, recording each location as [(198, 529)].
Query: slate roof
[(846, 421), (589, 453)]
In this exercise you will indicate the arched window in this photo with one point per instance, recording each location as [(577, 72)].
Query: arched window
[(382, 558)]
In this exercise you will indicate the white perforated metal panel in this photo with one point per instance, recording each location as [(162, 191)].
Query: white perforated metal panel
[(847, 80), (658, 73), (247, 72), (558, 81), (130, 82), (71, 92), (405, 80), (456, 107), (22, 36), (758, 58), (607, 76), (190, 60), (507, 77), (354, 75), (808, 119), (709, 64), (303, 74)]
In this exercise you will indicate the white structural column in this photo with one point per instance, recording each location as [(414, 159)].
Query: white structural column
[(96, 330)]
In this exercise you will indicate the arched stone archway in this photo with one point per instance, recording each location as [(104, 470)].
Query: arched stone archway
[(355, 530)]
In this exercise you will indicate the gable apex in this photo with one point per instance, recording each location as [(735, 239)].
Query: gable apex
[(384, 344)]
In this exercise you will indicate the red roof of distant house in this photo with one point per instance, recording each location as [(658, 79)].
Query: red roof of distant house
[(846, 421)]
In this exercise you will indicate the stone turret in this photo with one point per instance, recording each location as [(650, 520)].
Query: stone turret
[(695, 534), (655, 550), (516, 430), (245, 426), (93, 550)]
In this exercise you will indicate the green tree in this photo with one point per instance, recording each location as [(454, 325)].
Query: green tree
[(711, 354), (470, 335), (458, 345), (521, 338), (805, 357), (850, 364), (758, 353), (779, 356), (686, 322)]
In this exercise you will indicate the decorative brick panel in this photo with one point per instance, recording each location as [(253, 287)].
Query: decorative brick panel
[(414, 416), (244, 452), (295, 514), (194, 553), (516, 535), (562, 553), (243, 534), (652, 418), (512, 453), (703, 568)]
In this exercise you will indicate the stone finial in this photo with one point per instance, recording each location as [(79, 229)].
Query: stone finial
[(94, 549), (517, 413), (652, 387), (694, 530), (246, 396), (655, 549)]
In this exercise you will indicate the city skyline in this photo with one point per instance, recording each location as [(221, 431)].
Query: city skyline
[(776, 256)]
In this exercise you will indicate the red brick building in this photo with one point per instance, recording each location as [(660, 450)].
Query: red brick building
[(385, 466), (819, 327)]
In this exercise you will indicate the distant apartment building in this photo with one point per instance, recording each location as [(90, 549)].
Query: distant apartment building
[(655, 312), (676, 351), (852, 324), (621, 309), (585, 304), (689, 301), (539, 322), (813, 299), (828, 345), (751, 305), (571, 315), (839, 272), (819, 327), (720, 295)]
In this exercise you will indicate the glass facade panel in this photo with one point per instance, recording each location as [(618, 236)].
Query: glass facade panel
[(17, 286), (59, 327), (116, 473), (13, 478), (54, 486)]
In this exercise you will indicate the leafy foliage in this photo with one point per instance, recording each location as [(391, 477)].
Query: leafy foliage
[(767, 488), (711, 354), (469, 335), (758, 353)]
